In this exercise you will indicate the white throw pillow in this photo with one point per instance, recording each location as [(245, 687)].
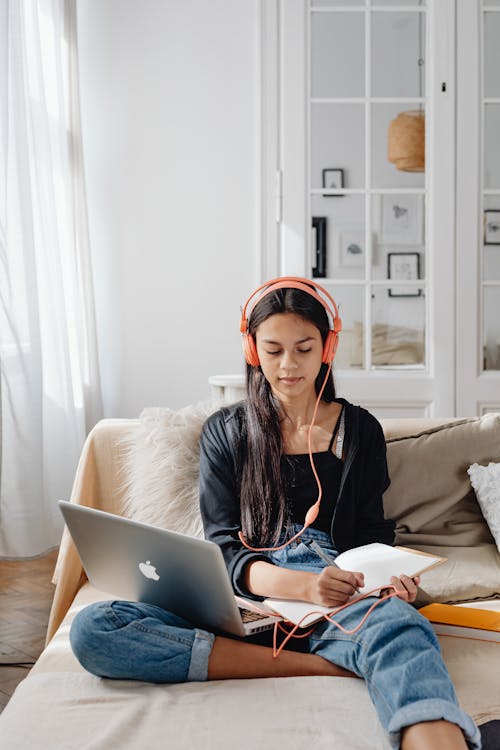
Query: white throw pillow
[(486, 483), (161, 468)]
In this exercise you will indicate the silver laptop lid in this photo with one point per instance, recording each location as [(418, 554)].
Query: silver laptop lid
[(136, 561)]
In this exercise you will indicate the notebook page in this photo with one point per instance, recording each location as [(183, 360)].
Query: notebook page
[(379, 562)]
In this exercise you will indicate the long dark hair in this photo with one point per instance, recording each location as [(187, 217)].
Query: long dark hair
[(262, 494)]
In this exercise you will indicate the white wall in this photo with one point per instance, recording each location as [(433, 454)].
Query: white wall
[(170, 117)]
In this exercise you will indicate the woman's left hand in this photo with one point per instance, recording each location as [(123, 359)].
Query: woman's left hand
[(406, 587)]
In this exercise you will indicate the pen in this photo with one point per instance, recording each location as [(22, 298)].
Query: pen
[(326, 558)]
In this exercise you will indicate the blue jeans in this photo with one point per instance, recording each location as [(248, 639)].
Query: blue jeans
[(396, 651)]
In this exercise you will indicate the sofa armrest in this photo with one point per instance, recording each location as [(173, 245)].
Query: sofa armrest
[(97, 484)]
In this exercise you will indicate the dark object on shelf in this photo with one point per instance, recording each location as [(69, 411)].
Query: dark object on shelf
[(333, 179), (319, 248)]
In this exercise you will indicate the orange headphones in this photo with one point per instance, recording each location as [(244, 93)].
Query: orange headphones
[(295, 282), (329, 349)]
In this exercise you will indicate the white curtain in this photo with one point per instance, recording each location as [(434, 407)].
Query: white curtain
[(50, 395)]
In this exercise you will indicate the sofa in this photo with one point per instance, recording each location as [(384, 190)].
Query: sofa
[(147, 468)]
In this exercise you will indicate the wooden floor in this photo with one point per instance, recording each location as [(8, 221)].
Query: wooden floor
[(26, 594)]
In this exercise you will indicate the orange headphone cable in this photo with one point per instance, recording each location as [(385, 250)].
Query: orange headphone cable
[(313, 511), (292, 633)]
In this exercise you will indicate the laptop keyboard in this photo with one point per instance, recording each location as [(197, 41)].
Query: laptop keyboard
[(247, 615)]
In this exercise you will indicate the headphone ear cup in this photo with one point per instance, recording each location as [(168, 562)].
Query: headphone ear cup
[(330, 347), (250, 350)]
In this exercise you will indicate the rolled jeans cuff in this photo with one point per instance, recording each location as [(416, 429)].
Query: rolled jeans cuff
[(202, 647), (433, 710)]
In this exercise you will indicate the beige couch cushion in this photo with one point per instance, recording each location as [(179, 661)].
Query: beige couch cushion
[(430, 497), (469, 573)]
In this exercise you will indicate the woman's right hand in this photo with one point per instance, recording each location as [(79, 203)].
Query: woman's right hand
[(334, 586)]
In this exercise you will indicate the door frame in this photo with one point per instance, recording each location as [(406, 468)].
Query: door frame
[(284, 89), (478, 391)]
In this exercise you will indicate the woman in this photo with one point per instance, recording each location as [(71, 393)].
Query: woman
[(263, 463)]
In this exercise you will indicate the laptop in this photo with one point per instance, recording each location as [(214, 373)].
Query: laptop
[(139, 562)]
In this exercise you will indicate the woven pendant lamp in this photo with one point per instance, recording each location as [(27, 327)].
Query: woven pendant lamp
[(406, 135), (406, 141)]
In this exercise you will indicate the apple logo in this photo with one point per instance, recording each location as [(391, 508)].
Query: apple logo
[(149, 571)]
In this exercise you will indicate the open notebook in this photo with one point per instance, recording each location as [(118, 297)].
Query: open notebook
[(379, 562)]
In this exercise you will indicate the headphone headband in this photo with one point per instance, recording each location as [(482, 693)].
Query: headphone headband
[(305, 285), (294, 282)]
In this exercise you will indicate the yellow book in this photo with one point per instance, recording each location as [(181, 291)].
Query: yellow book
[(463, 622)]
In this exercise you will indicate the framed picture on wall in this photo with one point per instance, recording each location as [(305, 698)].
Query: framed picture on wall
[(352, 251), (492, 227), (401, 220), (333, 179), (351, 246), (405, 267)]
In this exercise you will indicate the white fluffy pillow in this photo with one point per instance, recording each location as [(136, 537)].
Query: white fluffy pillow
[(486, 483), (161, 468)]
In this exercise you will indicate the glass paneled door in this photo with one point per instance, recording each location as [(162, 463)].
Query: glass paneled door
[(365, 162), (478, 201)]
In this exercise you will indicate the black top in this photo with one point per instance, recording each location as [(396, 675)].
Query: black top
[(302, 488), (358, 516)]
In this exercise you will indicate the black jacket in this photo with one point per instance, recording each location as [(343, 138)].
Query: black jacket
[(358, 517)]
